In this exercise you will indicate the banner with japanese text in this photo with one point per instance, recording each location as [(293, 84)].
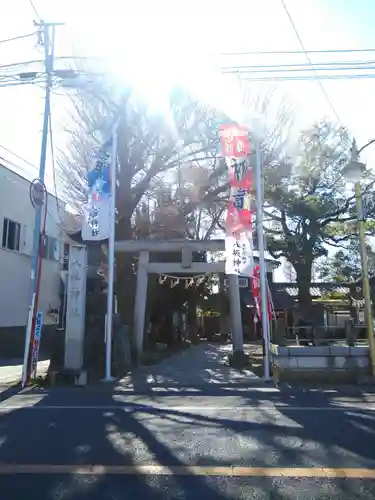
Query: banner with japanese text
[(239, 254), (96, 223), (36, 344), (255, 288), (236, 150)]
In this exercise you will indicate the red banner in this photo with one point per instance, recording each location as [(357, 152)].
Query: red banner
[(235, 147), (255, 288), (234, 141), (239, 217)]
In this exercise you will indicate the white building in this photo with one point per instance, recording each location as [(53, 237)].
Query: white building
[(16, 233)]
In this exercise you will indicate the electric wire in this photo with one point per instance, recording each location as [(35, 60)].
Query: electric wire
[(247, 69), (17, 182), (25, 173), (21, 63), (16, 84), (41, 61), (337, 65), (53, 162), (20, 37), (310, 61), (14, 165), (297, 70), (35, 10), (301, 52), (310, 78), (18, 157), (3, 175)]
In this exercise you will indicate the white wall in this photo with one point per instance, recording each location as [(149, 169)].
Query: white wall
[(15, 266)]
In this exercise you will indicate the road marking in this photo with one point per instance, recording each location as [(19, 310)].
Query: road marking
[(188, 470), (136, 407)]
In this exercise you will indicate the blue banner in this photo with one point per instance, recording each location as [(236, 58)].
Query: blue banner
[(97, 210), (36, 345)]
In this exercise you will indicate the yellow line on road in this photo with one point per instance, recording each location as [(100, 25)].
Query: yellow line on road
[(188, 470)]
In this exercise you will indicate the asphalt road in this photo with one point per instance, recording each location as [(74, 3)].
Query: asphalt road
[(244, 443)]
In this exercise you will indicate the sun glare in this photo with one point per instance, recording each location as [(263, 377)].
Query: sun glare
[(159, 51), (166, 59)]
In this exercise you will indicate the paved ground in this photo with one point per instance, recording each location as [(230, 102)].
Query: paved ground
[(209, 441), (202, 365)]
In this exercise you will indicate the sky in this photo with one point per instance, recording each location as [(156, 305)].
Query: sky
[(157, 42)]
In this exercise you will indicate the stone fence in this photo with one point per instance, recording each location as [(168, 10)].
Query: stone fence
[(324, 363)]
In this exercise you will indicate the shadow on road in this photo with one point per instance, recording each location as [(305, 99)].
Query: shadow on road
[(128, 433), (159, 422), (88, 437)]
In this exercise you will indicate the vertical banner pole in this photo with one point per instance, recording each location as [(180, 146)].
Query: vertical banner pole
[(111, 259), (262, 263)]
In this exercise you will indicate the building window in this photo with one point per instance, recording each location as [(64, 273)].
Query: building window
[(44, 246), (51, 248), (54, 249), (11, 235)]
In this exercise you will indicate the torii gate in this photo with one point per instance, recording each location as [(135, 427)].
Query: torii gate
[(186, 266)]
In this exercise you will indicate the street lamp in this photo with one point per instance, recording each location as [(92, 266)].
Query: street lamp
[(353, 171)]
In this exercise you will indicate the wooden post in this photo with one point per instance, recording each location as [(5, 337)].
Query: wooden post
[(140, 301)]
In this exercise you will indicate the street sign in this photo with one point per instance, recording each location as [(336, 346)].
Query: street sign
[(36, 344), (37, 193)]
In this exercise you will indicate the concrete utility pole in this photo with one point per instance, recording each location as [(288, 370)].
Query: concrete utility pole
[(354, 171), (46, 38), (262, 262)]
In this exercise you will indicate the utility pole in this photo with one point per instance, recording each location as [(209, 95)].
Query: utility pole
[(264, 291), (354, 171), (46, 38)]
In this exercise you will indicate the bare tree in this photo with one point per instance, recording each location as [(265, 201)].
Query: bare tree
[(151, 148)]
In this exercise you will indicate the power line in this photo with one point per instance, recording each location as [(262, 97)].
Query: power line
[(21, 77), (21, 63), (19, 183), (271, 67), (303, 52), (13, 83), (13, 164), (20, 37), (35, 10), (242, 71), (41, 61), (308, 78), (52, 158), (17, 156), (310, 61), (16, 84), (57, 198)]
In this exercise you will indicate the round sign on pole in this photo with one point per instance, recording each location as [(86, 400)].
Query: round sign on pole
[(37, 193)]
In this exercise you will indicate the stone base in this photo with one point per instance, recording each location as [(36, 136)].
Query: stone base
[(341, 364), (239, 360), (318, 376), (68, 377)]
